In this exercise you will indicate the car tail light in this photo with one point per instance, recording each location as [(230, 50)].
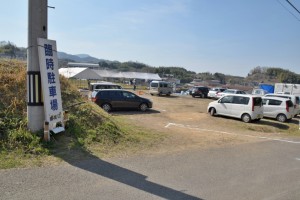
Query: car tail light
[(287, 107), (252, 104)]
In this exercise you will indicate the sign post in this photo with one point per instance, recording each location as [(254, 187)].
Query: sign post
[(50, 86)]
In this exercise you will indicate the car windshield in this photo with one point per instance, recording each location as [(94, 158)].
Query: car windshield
[(154, 85)]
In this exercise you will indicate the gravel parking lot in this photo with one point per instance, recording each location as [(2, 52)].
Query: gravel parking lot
[(186, 122)]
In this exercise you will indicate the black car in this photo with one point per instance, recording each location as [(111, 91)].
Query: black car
[(200, 91), (120, 99)]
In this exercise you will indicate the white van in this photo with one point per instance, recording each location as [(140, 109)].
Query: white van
[(104, 85), (161, 87), (278, 108), (95, 87), (245, 107), (295, 99)]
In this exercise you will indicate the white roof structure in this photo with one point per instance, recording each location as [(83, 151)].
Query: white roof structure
[(95, 74), (128, 75), (79, 73)]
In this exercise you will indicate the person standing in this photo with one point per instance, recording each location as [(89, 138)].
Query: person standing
[(134, 85)]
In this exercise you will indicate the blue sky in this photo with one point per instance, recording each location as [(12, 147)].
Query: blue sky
[(227, 36)]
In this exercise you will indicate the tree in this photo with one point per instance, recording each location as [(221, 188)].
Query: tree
[(221, 77), (10, 49)]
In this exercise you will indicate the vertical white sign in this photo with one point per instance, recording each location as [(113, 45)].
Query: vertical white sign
[(50, 81)]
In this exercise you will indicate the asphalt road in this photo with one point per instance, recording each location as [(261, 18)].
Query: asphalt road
[(262, 170)]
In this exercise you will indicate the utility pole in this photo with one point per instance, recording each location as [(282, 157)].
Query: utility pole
[(37, 28)]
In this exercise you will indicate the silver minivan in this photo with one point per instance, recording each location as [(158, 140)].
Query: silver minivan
[(245, 107)]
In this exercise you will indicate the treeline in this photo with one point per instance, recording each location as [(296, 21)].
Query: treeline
[(256, 75), (185, 76), (10, 50), (273, 75)]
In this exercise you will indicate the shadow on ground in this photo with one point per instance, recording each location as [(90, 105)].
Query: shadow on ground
[(134, 112), (122, 175), (265, 121), (294, 121), (273, 123)]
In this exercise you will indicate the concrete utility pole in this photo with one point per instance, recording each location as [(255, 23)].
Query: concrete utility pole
[(37, 28)]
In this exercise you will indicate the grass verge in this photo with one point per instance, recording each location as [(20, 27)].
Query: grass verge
[(91, 132)]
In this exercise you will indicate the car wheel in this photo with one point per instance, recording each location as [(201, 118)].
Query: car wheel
[(281, 118), (151, 94), (106, 107), (143, 107), (246, 118), (212, 112)]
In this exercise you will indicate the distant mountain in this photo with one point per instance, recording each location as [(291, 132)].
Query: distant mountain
[(82, 58), (255, 76), (82, 55)]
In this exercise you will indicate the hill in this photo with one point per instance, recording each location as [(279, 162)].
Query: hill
[(272, 75), (83, 58), (255, 76)]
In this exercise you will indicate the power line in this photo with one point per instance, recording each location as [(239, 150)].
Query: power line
[(288, 10), (293, 6)]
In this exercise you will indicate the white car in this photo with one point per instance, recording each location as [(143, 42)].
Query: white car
[(278, 108), (260, 92), (214, 91), (295, 99), (245, 107), (229, 91)]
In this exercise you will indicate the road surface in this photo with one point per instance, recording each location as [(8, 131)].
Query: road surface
[(260, 170)]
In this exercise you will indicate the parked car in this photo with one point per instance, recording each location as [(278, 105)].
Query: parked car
[(103, 85), (212, 93), (245, 107), (278, 108), (113, 99), (229, 91), (95, 87), (295, 99), (200, 91), (260, 92), (161, 87)]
